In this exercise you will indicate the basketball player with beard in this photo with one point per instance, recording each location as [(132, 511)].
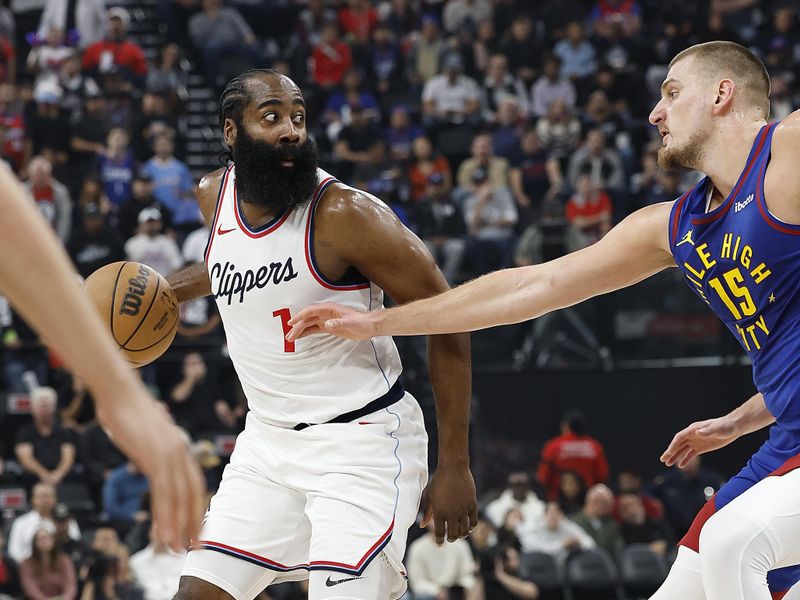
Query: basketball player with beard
[(328, 474), (735, 238)]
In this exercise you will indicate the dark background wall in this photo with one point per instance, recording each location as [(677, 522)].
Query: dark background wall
[(634, 413)]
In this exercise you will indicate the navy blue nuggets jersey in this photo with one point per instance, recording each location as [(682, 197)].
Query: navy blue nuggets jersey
[(745, 264)]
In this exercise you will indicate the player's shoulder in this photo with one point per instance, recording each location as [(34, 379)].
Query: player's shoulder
[(350, 207), (787, 132), (208, 190)]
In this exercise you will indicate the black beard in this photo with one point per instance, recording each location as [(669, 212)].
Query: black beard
[(262, 180)]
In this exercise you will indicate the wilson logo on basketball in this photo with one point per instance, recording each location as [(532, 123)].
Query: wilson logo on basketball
[(132, 301)]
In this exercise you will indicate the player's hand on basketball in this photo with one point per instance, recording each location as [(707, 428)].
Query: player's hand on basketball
[(698, 438), (334, 319), (449, 502), (147, 434)]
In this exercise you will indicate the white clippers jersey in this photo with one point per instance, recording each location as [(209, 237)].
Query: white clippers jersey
[(260, 278)]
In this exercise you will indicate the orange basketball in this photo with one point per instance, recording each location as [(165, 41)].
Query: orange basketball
[(139, 306)]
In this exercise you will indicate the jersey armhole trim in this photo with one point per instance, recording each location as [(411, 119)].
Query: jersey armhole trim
[(771, 220), (309, 245), (217, 210), (675, 220)]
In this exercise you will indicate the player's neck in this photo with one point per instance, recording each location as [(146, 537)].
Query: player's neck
[(725, 157)]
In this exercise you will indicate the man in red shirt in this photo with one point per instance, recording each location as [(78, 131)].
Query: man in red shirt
[(575, 451), (116, 51)]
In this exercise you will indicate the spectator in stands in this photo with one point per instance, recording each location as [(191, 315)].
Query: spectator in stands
[(47, 55), (501, 578), (386, 61), (90, 133), (166, 78), (521, 49), (44, 448), (75, 85), (630, 482), (122, 496), (551, 86), (94, 244), (599, 113), (603, 164), (199, 322), (331, 58), (684, 491), (426, 53), (483, 157), (589, 213), (338, 108), (535, 177), (559, 132), (499, 85), (9, 574), (100, 580), (72, 547), (87, 17), (638, 528), (49, 130), (401, 134), (99, 456), (424, 162), (197, 403), (439, 222), (141, 198), (220, 31), (508, 531), (435, 571), (358, 20), (507, 130), (577, 55), (117, 52), (310, 21), (554, 535), (155, 120), (157, 569), (571, 494), (465, 13), (517, 495), (116, 166), (48, 573), (23, 528), (13, 146), (596, 519), (609, 16), (51, 196), (572, 450), (173, 185), (451, 98), (359, 148), (76, 407), (491, 215), (22, 351), (151, 247)]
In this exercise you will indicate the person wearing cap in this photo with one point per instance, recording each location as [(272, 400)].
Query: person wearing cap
[(88, 17), (64, 527), (116, 50), (439, 222), (49, 131), (451, 97), (151, 247), (94, 244), (491, 215)]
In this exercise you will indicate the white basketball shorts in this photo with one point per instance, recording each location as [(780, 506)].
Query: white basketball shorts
[(330, 497)]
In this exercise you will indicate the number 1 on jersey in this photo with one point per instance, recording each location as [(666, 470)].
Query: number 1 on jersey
[(285, 315)]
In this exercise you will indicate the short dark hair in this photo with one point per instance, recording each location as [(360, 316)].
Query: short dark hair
[(732, 60), (576, 421)]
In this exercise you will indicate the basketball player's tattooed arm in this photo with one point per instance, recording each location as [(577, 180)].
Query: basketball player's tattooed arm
[(632, 251), (42, 285), (192, 282), (712, 434), (355, 230)]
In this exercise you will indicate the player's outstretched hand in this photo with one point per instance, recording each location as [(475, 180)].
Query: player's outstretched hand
[(698, 438), (332, 318), (449, 501), (147, 435)]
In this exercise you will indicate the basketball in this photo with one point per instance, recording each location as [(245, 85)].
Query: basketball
[(138, 305)]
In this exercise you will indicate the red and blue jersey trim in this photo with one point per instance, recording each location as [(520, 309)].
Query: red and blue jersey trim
[(676, 217), (217, 210), (787, 228), (312, 265), (316, 565), (257, 232)]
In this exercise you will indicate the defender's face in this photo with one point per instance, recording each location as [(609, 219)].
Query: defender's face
[(681, 116), (275, 115)]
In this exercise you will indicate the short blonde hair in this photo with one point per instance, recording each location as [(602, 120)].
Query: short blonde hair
[(733, 61), (44, 394)]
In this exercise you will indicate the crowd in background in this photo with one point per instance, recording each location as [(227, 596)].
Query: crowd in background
[(502, 132)]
